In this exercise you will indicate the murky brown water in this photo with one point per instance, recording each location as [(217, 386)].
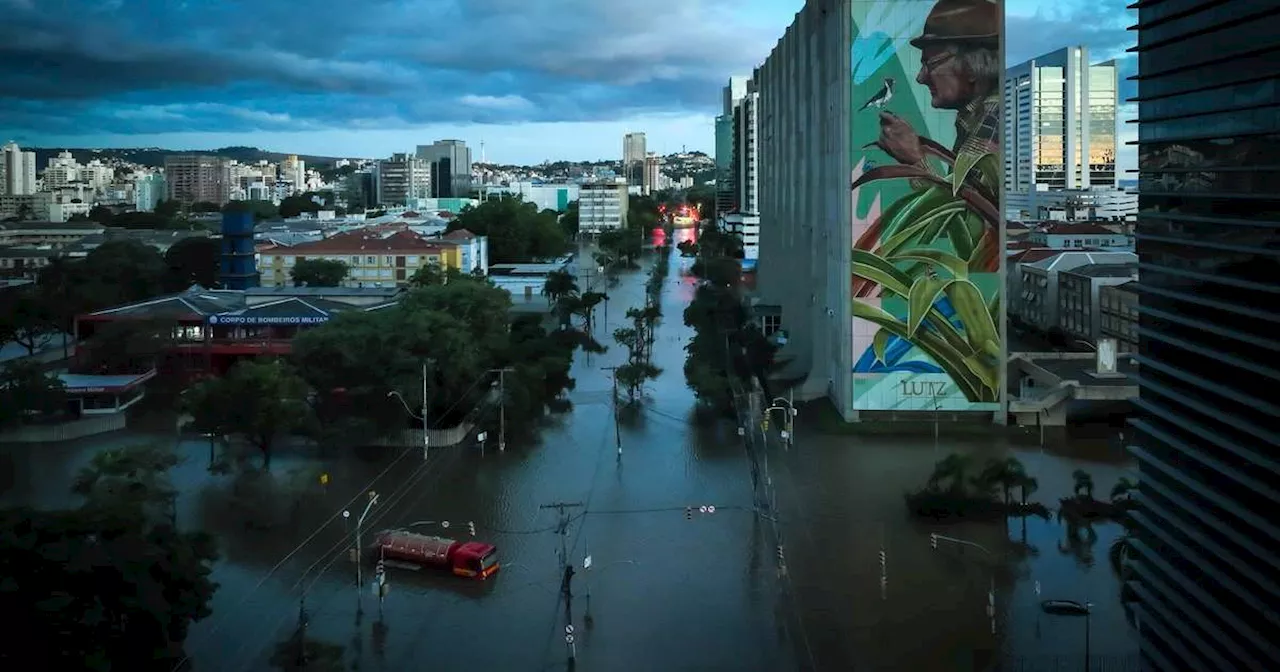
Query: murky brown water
[(666, 593)]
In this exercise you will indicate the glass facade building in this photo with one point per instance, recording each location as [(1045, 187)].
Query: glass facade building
[(1205, 556), (1060, 122)]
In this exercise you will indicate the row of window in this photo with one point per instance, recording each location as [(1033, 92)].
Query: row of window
[(367, 260)]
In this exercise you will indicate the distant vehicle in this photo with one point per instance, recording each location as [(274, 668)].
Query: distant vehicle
[(471, 559), (1064, 608)]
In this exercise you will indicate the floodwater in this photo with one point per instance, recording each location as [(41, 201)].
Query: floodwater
[(664, 592)]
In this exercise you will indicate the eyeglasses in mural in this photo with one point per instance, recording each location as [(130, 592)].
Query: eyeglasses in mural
[(927, 83)]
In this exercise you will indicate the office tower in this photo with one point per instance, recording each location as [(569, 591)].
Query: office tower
[(633, 153), (196, 178), (1060, 122), (652, 173), (1205, 555), (402, 180), (450, 168), (19, 171), (294, 170), (724, 164), (602, 205)]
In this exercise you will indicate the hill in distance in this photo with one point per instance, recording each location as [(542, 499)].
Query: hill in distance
[(154, 156)]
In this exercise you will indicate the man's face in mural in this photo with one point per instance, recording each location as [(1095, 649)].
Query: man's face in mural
[(950, 85)]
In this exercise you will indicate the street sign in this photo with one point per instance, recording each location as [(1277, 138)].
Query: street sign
[(444, 524), (702, 509), (586, 564), (482, 436), (324, 479), (568, 629), (742, 431), (784, 435), (568, 639), (711, 509)]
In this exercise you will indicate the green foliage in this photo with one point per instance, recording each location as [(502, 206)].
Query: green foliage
[(258, 400), (517, 231), (116, 272), (319, 273), (621, 248), (569, 220), (27, 319), (1082, 485), (559, 284), (29, 394), (124, 347), (957, 488), (261, 210), (293, 206), (434, 274), (110, 585), (193, 261)]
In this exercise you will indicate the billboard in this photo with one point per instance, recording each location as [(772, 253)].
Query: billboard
[(926, 194)]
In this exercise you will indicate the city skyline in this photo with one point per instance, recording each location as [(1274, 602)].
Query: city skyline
[(547, 94)]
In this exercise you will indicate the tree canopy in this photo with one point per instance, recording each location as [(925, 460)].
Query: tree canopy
[(193, 261), (28, 394), (517, 231), (109, 585), (259, 400), (319, 273)]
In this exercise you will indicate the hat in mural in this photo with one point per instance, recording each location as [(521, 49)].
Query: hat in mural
[(975, 22)]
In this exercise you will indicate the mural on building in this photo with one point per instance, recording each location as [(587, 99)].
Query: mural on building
[(926, 204)]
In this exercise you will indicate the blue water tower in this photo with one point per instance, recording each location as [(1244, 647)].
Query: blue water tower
[(239, 267)]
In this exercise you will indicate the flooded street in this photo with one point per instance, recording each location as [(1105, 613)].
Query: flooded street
[(664, 592)]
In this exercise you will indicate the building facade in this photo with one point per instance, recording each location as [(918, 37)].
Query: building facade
[(634, 149), (402, 180), (1079, 301), (602, 206), (450, 162), (373, 258), (148, 191), (1206, 548), (1118, 315), (1060, 122), (1077, 235), (197, 178), (1041, 202), (823, 241), (19, 169)]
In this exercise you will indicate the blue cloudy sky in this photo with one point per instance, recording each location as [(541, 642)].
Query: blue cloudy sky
[(532, 79)]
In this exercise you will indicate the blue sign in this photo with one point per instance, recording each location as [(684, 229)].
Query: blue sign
[(267, 320)]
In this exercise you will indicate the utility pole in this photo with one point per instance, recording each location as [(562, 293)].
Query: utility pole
[(373, 499), (426, 434), (617, 429), (562, 527), (502, 406)]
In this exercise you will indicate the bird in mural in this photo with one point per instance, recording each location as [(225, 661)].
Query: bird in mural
[(882, 97)]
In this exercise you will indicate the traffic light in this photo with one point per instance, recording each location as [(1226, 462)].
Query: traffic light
[(472, 527), (764, 424), (933, 541), (688, 513), (882, 559)]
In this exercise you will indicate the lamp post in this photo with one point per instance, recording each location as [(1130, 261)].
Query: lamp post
[(790, 414), (426, 436), (373, 499), (1072, 608)]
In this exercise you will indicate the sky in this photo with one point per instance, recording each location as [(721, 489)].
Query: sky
[(532, 80)]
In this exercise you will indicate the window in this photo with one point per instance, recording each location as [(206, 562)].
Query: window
[(288, 261), (412, 260), (371, 261), (387, 261), (355, 261), (268, 259)]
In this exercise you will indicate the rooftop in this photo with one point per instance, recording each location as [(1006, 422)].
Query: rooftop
[(1065, 257), (366, 241), (28, 252), (1076, 229), (76, 382), (1106, 270), (1033, 255), (323, 291), (459, 234), (86, 227), (196, 302)]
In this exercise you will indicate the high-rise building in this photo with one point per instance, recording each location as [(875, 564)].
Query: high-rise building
[(450, 168), (602, 206), (402, 180), (1205, 553), (724, 164), (197, 178), (19, 170), (634, 150), (294, 171), (148, 190), (1060, 122), (652, 174)]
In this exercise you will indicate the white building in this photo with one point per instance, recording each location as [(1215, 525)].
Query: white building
[(1060, 122), (545, 196), (602, 206), (19, 170), (1077, 235), (1092, 204), (294, 171), (148, 191), (805, 205)]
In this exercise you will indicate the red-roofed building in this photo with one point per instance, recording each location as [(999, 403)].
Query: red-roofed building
[(473, 250), (375, 257)]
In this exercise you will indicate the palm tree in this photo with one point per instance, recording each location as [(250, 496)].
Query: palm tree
[(1083, 487), (1006, 474), (558, 285), (1122, 490), (1027, 485), (953, 469), (589, 302)]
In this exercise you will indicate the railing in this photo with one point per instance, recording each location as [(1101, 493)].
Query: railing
[(439, 438)]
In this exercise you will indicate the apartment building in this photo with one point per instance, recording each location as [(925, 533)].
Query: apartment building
[(652, 174), (1079, 302), (1118, 315), (197, 178), (19, 170), (602, 206), (1033, 297), (402, 180), (1077, 235), (1205, 552), (373, 258), (634, 149)]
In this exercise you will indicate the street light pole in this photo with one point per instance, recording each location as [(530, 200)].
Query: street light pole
[(502, 406), (373, 499), (617, 429), (426, 434)]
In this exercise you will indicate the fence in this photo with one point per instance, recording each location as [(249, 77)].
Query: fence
[(65, 431), (439, 438)]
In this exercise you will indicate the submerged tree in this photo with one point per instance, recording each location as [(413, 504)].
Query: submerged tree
[(258, 400)]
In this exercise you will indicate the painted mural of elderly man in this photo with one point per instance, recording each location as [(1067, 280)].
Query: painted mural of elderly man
[(960, 65)]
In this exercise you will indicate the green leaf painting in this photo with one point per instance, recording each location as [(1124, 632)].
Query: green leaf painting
[(926, 195)]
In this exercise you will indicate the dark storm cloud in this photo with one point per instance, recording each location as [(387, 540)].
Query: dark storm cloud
[(135, 66)]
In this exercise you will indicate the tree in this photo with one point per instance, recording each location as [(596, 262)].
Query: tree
[(622, 247), (28, 393), (102, 215), (559, 284), (109, 585), (116, 272), (260, 209), (258, 400), (193, 261), (319, 273), (168, 209), (954, 470), (293, 206), (26, 319), (204, 207), (1083, 484), (1122, 491), (125, 347), (569, 220), (517, 231), (589, 301)]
